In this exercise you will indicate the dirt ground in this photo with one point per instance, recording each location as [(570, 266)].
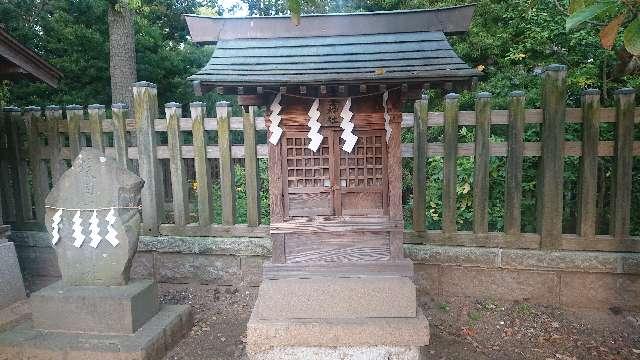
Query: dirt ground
[(460, 328)]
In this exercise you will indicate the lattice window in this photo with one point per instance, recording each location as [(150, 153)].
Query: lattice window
[(364, 166), (306, 168)]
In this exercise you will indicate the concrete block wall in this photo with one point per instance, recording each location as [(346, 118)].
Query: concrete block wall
[(570, 279)]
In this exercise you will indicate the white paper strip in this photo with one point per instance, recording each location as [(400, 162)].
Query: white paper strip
[(274, 128), (111, 232), (77, 230), (387, 118), (347, 135), (95, 230), (314, 127), (55, 226)]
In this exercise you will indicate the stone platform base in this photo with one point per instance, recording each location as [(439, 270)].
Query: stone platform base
[(11, 286), (14, 314), (150, 342), (343, 353)]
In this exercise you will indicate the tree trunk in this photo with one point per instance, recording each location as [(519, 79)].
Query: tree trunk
[(122, 55)]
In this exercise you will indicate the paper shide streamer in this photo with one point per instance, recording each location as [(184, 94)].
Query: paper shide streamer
[(314, 127), (387, 118), (346, 124), (274, 128), (94, 227)]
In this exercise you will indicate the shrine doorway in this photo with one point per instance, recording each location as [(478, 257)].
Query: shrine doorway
[(331, 181)]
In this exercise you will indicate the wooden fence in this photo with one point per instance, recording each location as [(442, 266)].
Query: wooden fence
[(36, 149)]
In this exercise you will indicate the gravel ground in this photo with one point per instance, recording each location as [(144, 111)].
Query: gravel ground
[(460, 328)]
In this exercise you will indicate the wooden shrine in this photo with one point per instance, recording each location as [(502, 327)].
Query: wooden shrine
[(333, 90)]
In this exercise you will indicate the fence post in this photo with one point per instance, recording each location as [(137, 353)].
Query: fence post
[(96, 117), (145, 104), (551, 168), (515, 150), (450, 180), (119, 115), (21, 197), (39, 180), (54, 117), (74, 116), (251, 166), (481, 164), (201, 163), (420, 123), (227, 178), (588, 181), (622, 180), (179, 189)]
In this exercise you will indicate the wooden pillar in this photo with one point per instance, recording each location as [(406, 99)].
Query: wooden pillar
[(276, 199), (179, 189), (551, 168), (53, 115), (75, 114), (481, 164), (450, 180), (145, 100), (588, 181), (251, 166), (515, 151), (227, 175), (21, 196), (201, 163), (394, 169), (119, 114), (622, 180), (96, 117), (420, 123), (39, 179)]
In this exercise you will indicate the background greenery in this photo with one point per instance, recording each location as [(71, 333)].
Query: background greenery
[(511, 41)]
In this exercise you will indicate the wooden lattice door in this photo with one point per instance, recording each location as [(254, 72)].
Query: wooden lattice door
[(331, 181)]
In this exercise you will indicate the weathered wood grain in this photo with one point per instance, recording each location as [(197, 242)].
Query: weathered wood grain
[(202, 166), (145, 100), (21, 195), (622, 179), (551, 168), (227, 176), (588, 181), (53, 115), (420, 110), (75, 115), (350, 269), (515, 151), (449, 178), (96, 118), (251, 166), (179, 186), (481, 164), (119, 114), (39, 180)]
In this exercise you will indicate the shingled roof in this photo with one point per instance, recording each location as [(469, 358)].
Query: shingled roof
[(392, 46)]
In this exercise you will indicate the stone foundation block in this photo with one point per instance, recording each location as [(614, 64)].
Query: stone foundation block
[(14, 314), (600, 291), (150, 342), (264, 336), (11, 285), (95, 309), (343, 353)]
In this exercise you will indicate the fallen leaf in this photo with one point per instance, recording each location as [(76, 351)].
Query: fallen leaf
[(609, 32)]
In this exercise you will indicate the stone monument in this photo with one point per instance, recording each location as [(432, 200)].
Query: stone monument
[(93, 217), (12, 307)]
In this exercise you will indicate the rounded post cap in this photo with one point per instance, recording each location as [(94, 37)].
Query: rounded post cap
[(52, 108), (424, 97), (74, 107), (172, 105), (452, 96), (32, 108), (95, 107), (11, 109), (556, 67), (222, 104), (197, 104), (591, 92), (483, 95), (516, 93), (625, 91), (144, 84), (119, 106)]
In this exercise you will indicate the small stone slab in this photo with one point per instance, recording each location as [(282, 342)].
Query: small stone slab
[(265, 335), (11, 285), (152, 341), (14, 314), (342, 353), (336, 298), (95, 309)]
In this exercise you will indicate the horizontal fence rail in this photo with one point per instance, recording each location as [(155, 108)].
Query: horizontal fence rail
[(38, 145)]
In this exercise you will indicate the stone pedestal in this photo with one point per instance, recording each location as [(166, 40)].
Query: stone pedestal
[(12, 291), (328, 318), (97, 322)]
